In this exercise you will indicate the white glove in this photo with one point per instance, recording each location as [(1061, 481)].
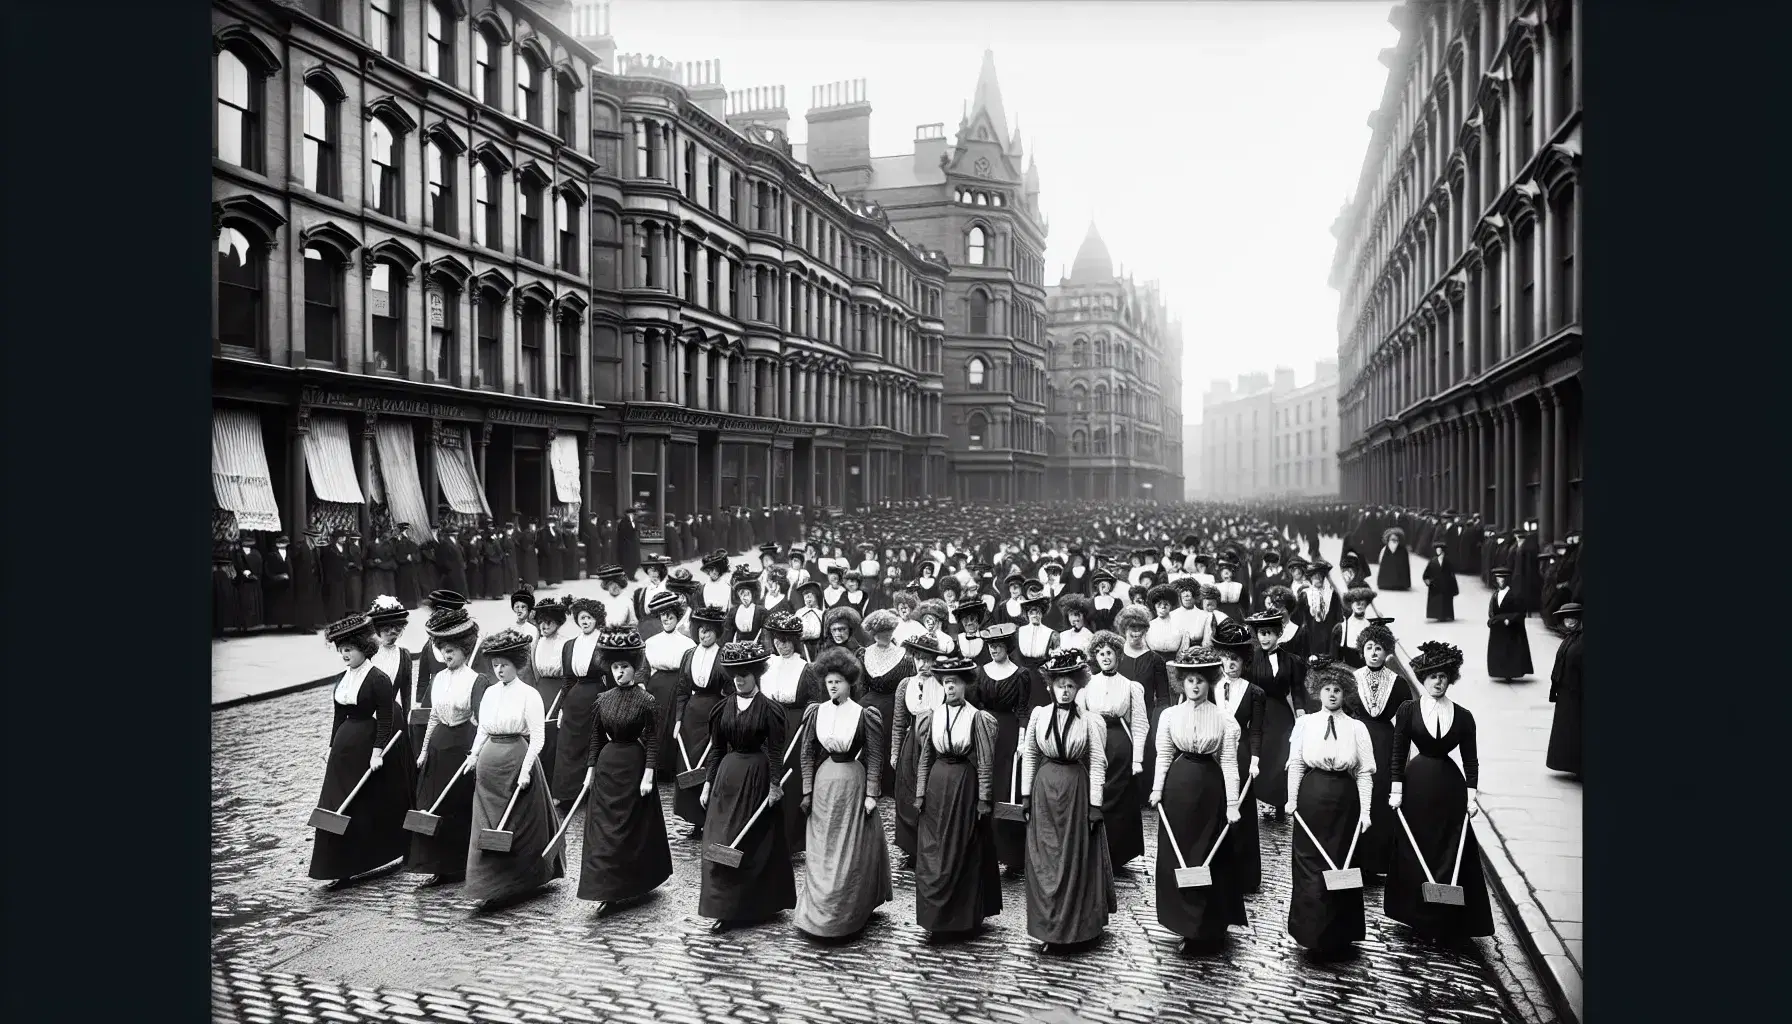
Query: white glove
[(1473, 809), (1394, 801)]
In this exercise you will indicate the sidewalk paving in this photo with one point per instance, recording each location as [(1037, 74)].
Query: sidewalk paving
[(270, 664), (1529, 828)]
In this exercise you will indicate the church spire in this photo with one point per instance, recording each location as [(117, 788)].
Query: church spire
[(987, 99)]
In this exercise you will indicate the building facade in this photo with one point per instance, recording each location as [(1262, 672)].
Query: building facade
[(972, 200), (1305, 427), (1193, 486), (466, 265), (1459, 321), (1266, 437), (1114, 390)]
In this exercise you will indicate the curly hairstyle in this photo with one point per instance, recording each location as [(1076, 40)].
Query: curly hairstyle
[(1163, 593), (1355, 594), (1131, 617), (904, 599), (881, 621), (1323, 672), (636, 657), (932, 606), (1078, 603), (844, 613), (588, 605), (840, 660), (1207, 593), (1376, 634), (1106, 638), (1279, 596)]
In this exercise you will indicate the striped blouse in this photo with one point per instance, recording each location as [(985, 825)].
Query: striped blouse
[(1190, 728)]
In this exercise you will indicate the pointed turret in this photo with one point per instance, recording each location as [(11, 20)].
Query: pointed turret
[(987, 99), (1014, 147), (1032, 187), (1093, 264)]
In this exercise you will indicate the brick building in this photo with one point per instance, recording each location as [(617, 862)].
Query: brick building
[(1459, 328), (1114, 394)]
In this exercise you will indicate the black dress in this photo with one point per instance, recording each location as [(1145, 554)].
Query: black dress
[(579, 690), (749, 743), (1070, 879), (1434, 801), (1329, 802), (445, 853), (1198, 783), (626, 854), (1508, 648), (1394, 573), (879, 691), (1244, 844), (957, 881), (1565, 689), (1284, 690), (376, 834), (1005, 700), (1440, 591), (694, 708), (1375, 849)]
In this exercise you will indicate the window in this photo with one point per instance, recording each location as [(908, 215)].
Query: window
[(976, 247), (690, 273), (566, 229), (444, 347), (1562, 219), (438, 50), (565, 121), (1524, 264), (1079, 442), (1564, 54), (382, 28), (529, 221), (566, 379), (239, 112), (488, 217), (715, 173), (319, 170), (241, 267), (388, 174), (976, 427), (690, 171), (976, 374), (385, 291), (487, 80), (1101, 441), (979, 313), (323, 304), (733, 384), (1495, 288), (439, 166), (733, 288), (533, 341), (712, 281), (528, 88), (1524, 86), (490, 326)]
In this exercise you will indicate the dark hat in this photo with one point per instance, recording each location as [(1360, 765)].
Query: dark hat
[(449, 622), (402, 527), (1499, 570), (768, 549), (349, 629), (387, 611), (1196, 658), (1102, 574), (1318, 566), (835, 569), (1264, 620), (710, 615), (663, 602), (1572, 608), (505, 643), (611, 572), (1012, 578), (1433, 656), (621, 641), (924, 643), (805, 586), (744, 654), (281, 538), (525, 595), (998, 631), (440, 599), (681, 581), (852, 576), (972, 606), (1040, 601), (1054, 565), (1355, 594), (715, 560), (552, 610), (951, 666), (784, 623), (1064, 661)]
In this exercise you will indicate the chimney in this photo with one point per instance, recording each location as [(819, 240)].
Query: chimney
[(1284, 379), (591, 27), (761, 105), (839, 146), (930, 146), (703, 83)]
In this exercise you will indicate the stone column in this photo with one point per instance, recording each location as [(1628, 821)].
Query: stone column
[(1519, 475), (1546, 524), (1558, 463)]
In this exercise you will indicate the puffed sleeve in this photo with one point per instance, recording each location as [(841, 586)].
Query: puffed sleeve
[(806, 748), (985, 733), (1141, 724), (1095, 755), (535, 720), (1229, 760), (1029, 752), (899, 723), (429, 730), (871, 728), (1297, 765), (1365, 766), (923, 751), (1166, 751)]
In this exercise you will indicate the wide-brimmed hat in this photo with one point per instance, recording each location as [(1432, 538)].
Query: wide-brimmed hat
[(808, 586), (1264, 620), (1001, 632), (1433, 656), (681, 581), (1102, 574), (1231, 635), (784, 623), (709, 615), (388, 611), (446, 599), (716, 560), (1499, 570), (924, 643), (663, 602), (524, 595), (971, 606), (744, 654), (953, 666), (620, 641), (448, 623), (356, 627), (607, 573), (505, 643), (1196, 658), (554, 610), (1040, 602), (1572, 608), (1064, 661)]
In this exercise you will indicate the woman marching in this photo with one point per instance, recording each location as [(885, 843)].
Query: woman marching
[(454, 695), (1330, 765), (1070, 878), (547, 670), (1243, 700), (1508, 647), (915, 696), (1120, 704), (1435, 798), (886, 665), (626, 854), (702, 685), (786, 682), (809, 610), (1282, 676), (1566, 690), (1196, 790), (743, 775), (1001, 688), (847, 864), (1395, 572), (366, 706), (511, 788), (665, 652), (582, 680), (389, 618), (1380, 692), (957, 880), (747, 621)]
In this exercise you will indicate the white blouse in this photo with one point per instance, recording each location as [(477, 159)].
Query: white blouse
[(811, 619), (1344, 748), (547, 656), (782, 678), (703, 662), (837, 724), (879, 660), (743, 618), (718, 594), (905, 629), (1230, 591), (1228, 693), (953, 728), (1193, 624), (922, 693), (527, 628), (1033, 641), (665, 651), (1202, 728), (386, 659), (1072, 740), (348, 689), (1122, 698), (831, 595), (508, 709), (450, 699), (584, 648), (1437, 713), (1077, 638), (970, 646), (1353, 628), (1164, 635), (619, 611), (1374, 687)]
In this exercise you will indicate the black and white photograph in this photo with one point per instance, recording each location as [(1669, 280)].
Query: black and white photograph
[(890, 512)]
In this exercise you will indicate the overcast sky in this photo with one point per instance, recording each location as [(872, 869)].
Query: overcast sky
[(1213, 143)]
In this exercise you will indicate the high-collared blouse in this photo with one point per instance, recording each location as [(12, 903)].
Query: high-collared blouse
[(955, 731), (549, 654), (743, 619), (584, 650), (665, 651), (1230, 591), (718, 593), (1334, 742), (1035, 641), (783, 678), (619, 611), (1077, 638), (703, 663), (1115, 696), (1198, 728), (508, 709), (1164, 635), (348, 688), (838, 729), (905, 629), (811, 620), (390, 660), (1374, 686), (452, 696), (1064, 733)]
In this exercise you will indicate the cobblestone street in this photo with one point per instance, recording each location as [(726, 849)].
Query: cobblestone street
[(285, 950)]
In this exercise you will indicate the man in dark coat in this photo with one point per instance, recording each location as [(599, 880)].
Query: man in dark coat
[(550, 554), (628, 545), (356, 563), (333, 562), (307, 581), (1527, 569), (248, 564), (1440, 584), (408, 578), (277, 584)]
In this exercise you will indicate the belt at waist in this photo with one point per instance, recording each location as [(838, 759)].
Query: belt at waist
[(1342, 773), (1065, 760), (1209, 758), (841, 757), (954, 758), (506, 737)]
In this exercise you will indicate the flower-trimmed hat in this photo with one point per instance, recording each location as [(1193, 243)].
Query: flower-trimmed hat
[(744, 576), (1435, 656), (552, 610), (715, 561), (1001, 632), (505, 643), (356, 628), (680, 581), (784, 623), (924, 643), (1196, 658), (709, 615), (663, 602), (1231, 635), (1064, 661), (388, 611), (620, 641), (1264, 620), (744, 654), (448, 623), (951, 666)]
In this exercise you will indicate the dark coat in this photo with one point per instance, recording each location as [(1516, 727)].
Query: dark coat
[(1440, 590), (1508, 648)]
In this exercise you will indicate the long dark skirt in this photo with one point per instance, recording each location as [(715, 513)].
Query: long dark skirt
[(1565, 733), (885, 703), (549, 688), (1319, 918), (693, 733), (1375, 849), (626, 854), (573, 745), (1243, 847), (1011, 836), (790, 809), (1440, 604), (1272, 763), (445, 853), (847, 867), (376, 834), (907, 818), (663, 685), (1395, 572), (249, 605), (764, 883), (957, 880), (1435, 799), (1070, 878), (533, 822), (492, 575), (1194, 800), (1121, 804), (1508, 652)]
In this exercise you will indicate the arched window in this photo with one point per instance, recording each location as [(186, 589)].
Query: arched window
[(1101, 398), (982, 199), (320, 171), (488, 218), (387, 156), (1079, 443), (979, 313), (438, 48), (1101, 441), (323, 303), (242, 267), (386, 299), (976, 247), (1101, 351), (1079, 352), (976, 374), (240, 91), (528, 88), (976, 427), (1079, 398), (489, 319), (488, 74)]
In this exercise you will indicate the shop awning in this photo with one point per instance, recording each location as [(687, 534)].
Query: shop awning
[(398, 471), (240, 481), (563, 456), (330, 461), (458, 478)]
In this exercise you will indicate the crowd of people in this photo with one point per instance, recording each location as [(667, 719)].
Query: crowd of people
[(1025, 684)]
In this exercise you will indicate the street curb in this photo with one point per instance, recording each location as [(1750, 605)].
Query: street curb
[(1535, 932), (277, 692)]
